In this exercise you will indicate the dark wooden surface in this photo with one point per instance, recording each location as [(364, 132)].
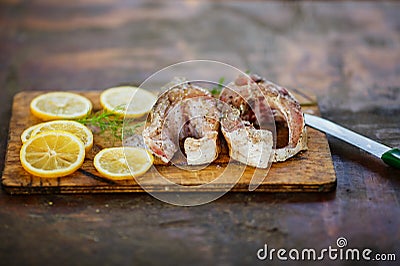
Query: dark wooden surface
[(348, 53)]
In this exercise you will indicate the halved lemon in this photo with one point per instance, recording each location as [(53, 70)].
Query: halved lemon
[(28, 133), (79, 130), (60, 105), (132, 102), (120, 163), (52, 154)]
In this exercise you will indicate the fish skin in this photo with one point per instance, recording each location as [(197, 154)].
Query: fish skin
[(253, 97), (184, 112), (190, 113)]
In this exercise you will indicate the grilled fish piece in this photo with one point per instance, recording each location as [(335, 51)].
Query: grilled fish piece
[(246, 144), (253, 97), (184, 113)]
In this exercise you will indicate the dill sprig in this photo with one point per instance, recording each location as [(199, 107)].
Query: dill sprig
[(216, 91), (130, 130), (111, 121), (105, 121)]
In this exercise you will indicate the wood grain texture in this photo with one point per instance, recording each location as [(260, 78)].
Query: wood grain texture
[(345, 52), (309, 171)]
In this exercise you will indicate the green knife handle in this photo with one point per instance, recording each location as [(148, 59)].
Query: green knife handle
[(392, 157)]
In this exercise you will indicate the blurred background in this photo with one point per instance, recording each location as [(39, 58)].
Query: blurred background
[(347, 53)]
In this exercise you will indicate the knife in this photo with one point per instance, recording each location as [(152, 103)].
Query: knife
[(390, 156)]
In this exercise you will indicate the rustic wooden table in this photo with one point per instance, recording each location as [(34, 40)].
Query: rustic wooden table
[(348, 54)]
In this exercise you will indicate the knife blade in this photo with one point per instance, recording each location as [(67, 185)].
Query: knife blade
[(390, 156)]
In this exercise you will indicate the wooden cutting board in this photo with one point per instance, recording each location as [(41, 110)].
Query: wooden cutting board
[(308, 171)]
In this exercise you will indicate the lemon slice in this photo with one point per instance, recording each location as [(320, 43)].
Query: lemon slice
[(121, 163), (27, 133), (52, 154), (60, 105), (79, 130), (132, 102)]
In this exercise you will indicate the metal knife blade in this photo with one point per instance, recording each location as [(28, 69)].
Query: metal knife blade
[(346, 135), (391, 156)]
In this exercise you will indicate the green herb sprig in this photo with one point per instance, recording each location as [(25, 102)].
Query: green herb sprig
[(130, 130), (111, 121), (105, 121), (216, 91)]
